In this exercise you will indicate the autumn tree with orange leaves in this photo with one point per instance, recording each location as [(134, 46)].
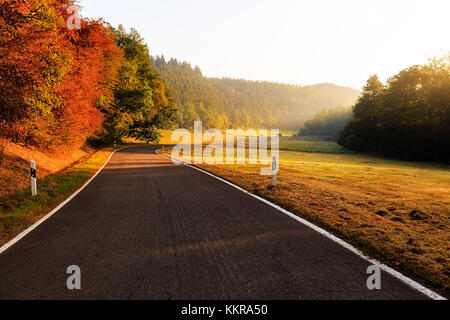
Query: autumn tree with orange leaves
[(54, 81)]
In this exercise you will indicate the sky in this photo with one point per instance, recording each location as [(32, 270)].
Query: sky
[(289, 41)]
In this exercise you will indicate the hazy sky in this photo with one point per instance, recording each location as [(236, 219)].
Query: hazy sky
[(291, 41)]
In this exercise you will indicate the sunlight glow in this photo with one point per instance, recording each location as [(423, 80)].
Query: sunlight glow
[(301, 42)]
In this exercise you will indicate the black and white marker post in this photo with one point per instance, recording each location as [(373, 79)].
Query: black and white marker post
[(33, 178), (274, 171)]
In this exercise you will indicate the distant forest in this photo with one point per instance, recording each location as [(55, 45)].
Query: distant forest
[(408, 117), (225, 103), (328, 122)]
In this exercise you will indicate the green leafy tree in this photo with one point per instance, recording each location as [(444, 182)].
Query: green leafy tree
[(142, 104), (408, 117)]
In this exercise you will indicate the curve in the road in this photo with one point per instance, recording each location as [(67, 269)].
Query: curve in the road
[(145, 228)]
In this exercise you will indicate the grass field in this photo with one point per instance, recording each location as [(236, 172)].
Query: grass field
[(287, 142), (298, 144), (395, 211), (19, 210)]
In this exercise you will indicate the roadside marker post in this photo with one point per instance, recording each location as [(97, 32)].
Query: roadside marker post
[(33, 178), (115, 144), (274, 171)]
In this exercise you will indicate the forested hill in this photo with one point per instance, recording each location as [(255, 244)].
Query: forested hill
[(223, 103)]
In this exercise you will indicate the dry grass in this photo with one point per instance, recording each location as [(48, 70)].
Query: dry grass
[(15, 167), (396, 211)]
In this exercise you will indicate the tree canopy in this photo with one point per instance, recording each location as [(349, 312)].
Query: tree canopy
[(62, 86), (142, 105), (408, 117), (54, 80)]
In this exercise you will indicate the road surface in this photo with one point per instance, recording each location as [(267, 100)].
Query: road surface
[(145, 228)]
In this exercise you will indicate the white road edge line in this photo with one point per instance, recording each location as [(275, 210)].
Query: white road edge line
[(48, 215), (410, 282)]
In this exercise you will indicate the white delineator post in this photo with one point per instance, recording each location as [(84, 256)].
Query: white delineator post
[(274, 171), (33, 178)]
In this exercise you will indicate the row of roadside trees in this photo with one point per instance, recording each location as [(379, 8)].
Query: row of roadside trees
[(63, 86)]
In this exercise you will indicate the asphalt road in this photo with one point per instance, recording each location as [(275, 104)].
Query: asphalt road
[(147, 229)]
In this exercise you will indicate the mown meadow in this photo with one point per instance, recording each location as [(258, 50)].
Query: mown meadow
[(393, 210)]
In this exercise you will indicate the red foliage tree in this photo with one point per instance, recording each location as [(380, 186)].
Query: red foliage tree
[(54, 80)]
